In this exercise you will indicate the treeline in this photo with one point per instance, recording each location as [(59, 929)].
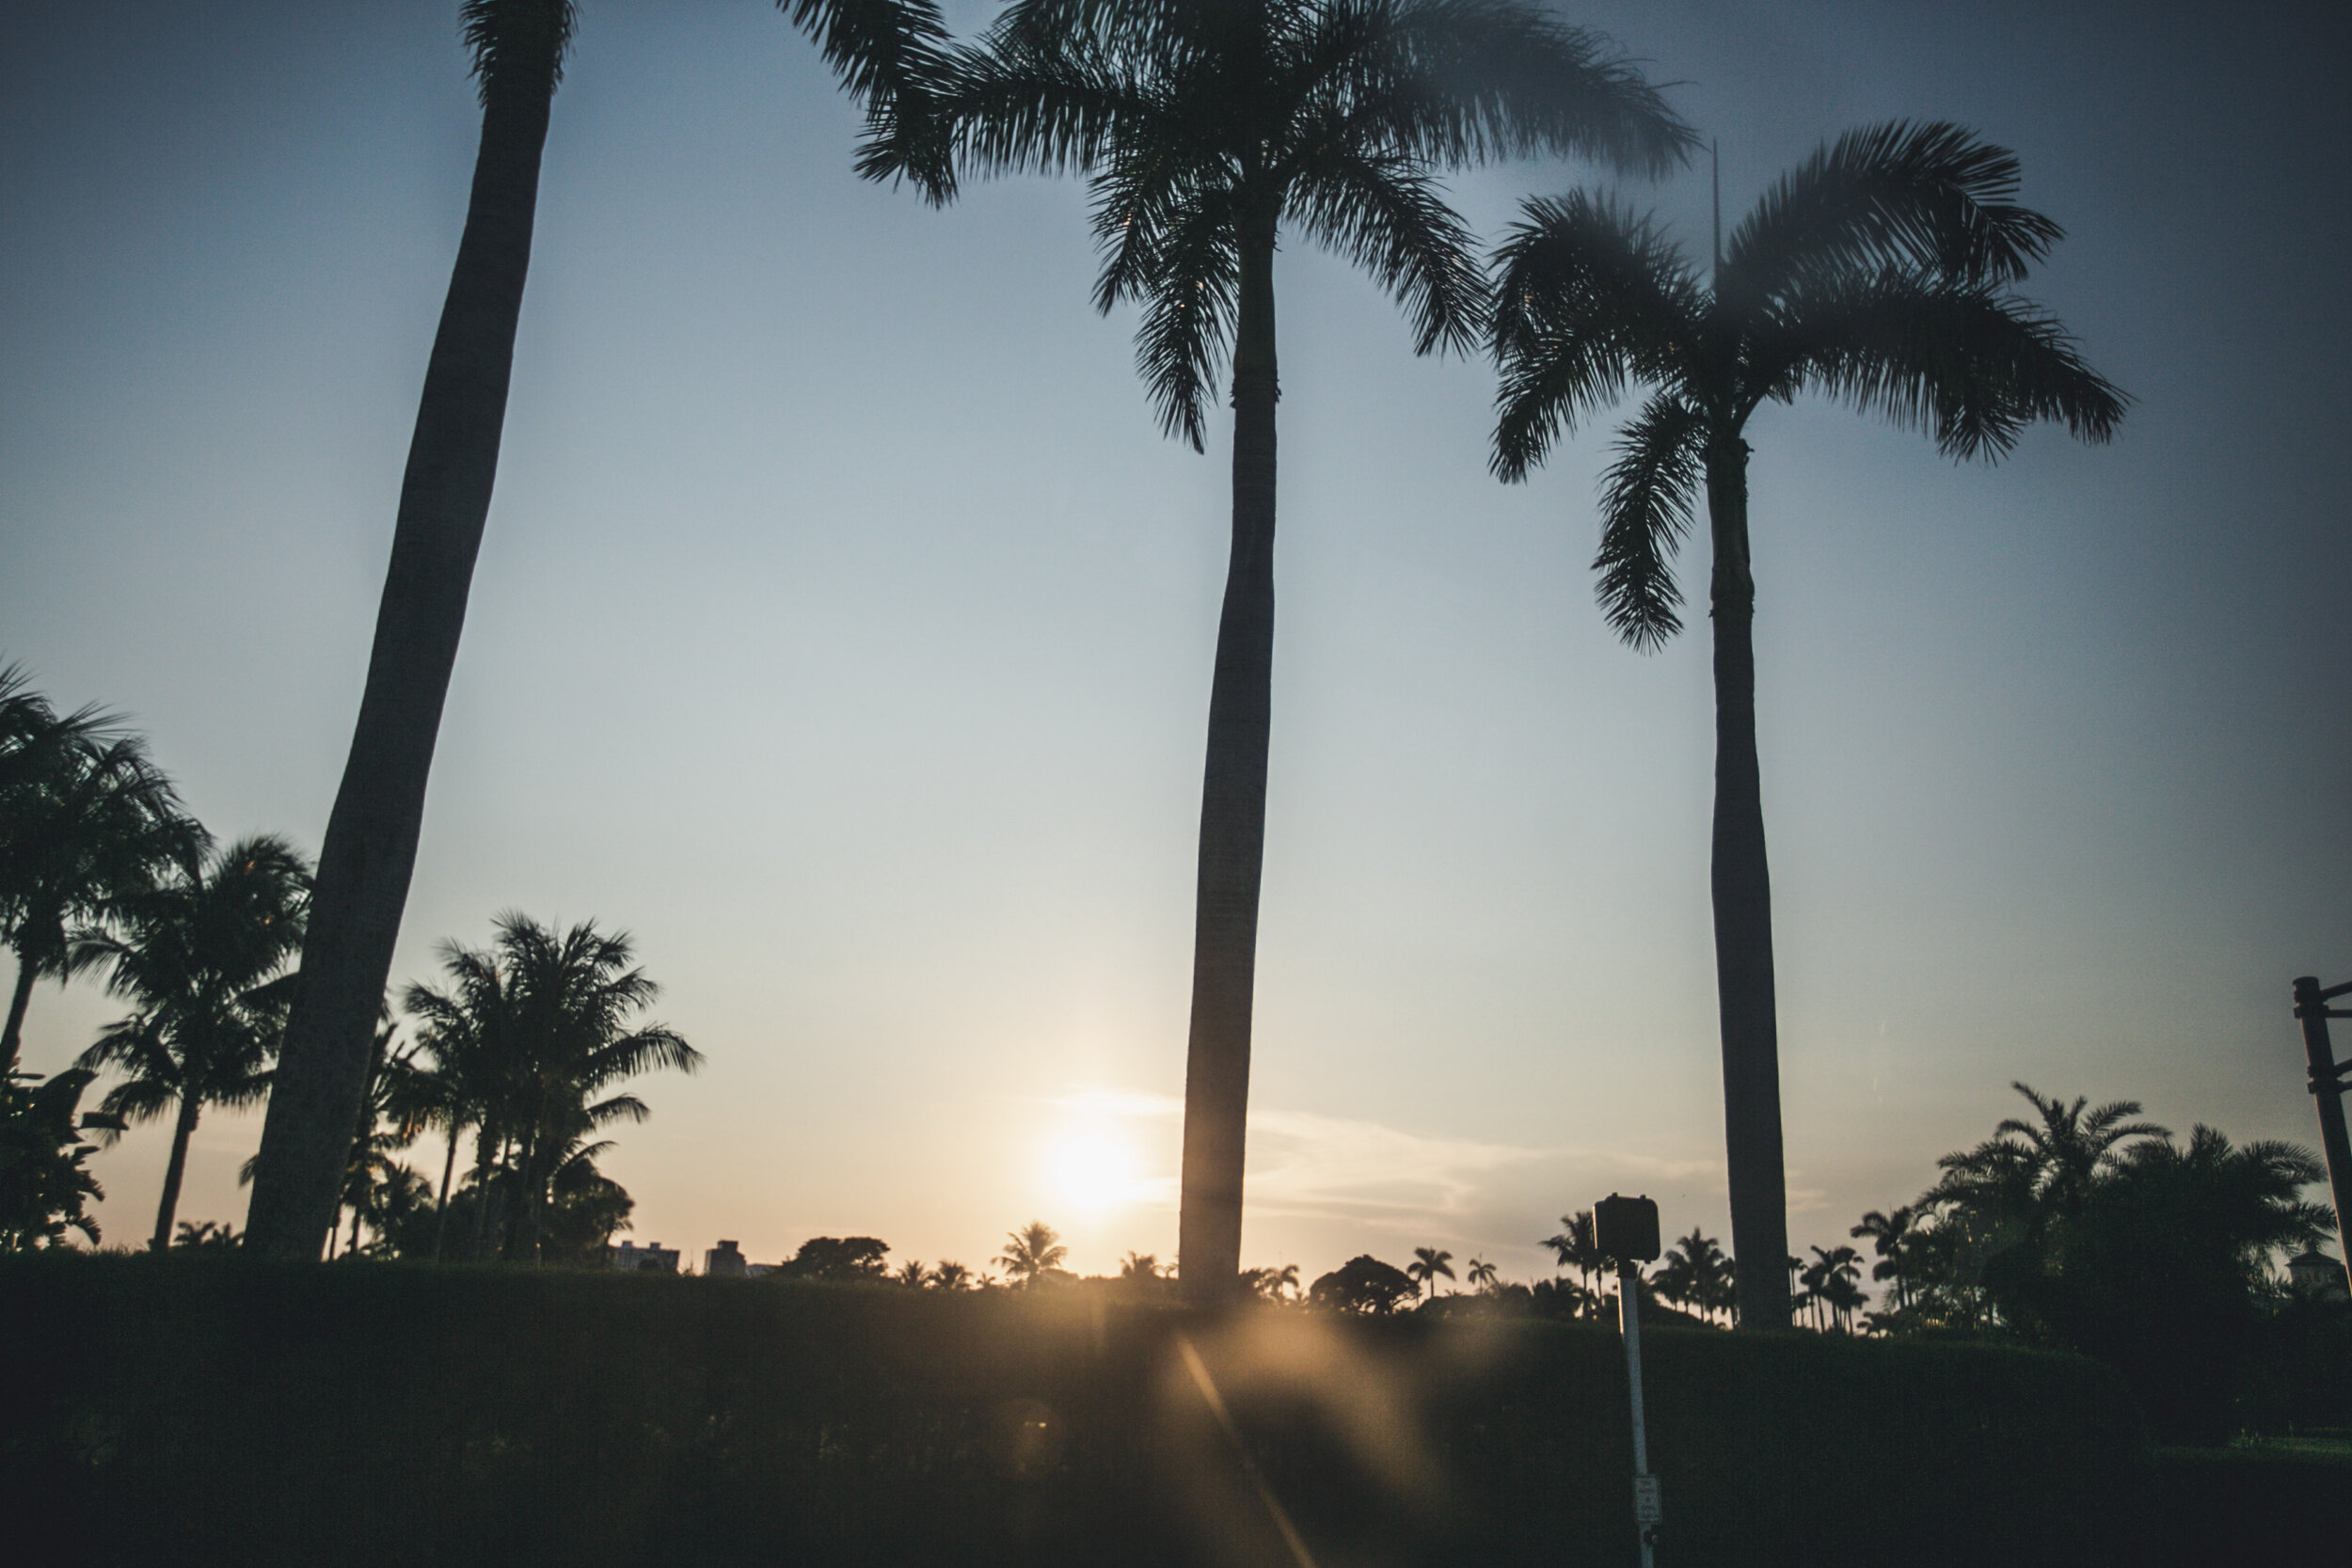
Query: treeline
[(518, 1053)]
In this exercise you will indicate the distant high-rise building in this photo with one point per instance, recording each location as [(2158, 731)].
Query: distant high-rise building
[(724, 1259), (653, 1255)]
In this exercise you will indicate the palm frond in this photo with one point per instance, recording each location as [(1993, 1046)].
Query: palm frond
[(1919, 195), (1588, 298), (1477, 80), (1051, 108), (1966, 363), (1646, 508), (1386, 213), (517, 44), (1187, 270)]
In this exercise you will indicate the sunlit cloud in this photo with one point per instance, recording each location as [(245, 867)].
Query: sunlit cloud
[(1305, 1164)]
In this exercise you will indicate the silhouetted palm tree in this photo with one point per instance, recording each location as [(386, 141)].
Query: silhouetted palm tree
[(1836, 1276), (1574, 1247), (1894, 1238), (1877, 271), (1427, 1265), (951, 1276), (528, 1033), (1032, 1253), (1694, 1273), (200, 956), (519, 48), (2048, 1163), (1271, 1284), (465, 1036), (390, 1118), (1205, 128), (577, 990), (86, 819), (1482, 1275)]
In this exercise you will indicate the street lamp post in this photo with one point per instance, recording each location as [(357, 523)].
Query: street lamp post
[(2327, 1086), (1625, 1229)]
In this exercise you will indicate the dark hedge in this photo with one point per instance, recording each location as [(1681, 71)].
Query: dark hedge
[(216, 1410)]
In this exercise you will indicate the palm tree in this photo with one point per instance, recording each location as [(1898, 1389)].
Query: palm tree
[(1482, 1275), (1835, 1277), (1693, 1273), (200, 956), (576, 991), (527, 1034), (1032, 1253), (1272, 1284), (519, 48), (1205, 128), (1574, 1247), (951, 1276), (392, 1116), (1876, 271), (1894, 1238), (86, 819), (1807, 1297), (466, 1034), (1427, 1265), (2054, 1159)]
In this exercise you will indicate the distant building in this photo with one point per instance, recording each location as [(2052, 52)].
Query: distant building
[(653, 1255), (725, 1259), (2314, 1272)]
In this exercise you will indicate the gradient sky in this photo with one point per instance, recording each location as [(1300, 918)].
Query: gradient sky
[(843, 629)]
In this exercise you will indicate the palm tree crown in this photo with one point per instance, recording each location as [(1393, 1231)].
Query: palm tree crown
[(85, 821), (200, 956), (1205, 126), (1878, 272), (1427, 1265), (1032, 1253)]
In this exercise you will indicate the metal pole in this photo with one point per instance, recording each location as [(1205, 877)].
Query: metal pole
[(1645, 1489), (2327, 1085)]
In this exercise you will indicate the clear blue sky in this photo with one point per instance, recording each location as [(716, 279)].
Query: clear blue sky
[(844, 624)]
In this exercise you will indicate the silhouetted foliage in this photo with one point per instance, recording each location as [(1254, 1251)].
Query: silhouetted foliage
[(838, 1260), (2084, 1229), (523, 1046), (1275, 1285), (465, 1415), (1033, 1255), (205, 1236), (1363, 1283), (202, 957), (85, 821), (44, 1181)]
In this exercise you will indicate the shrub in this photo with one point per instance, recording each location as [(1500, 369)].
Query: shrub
[(196, 1409)]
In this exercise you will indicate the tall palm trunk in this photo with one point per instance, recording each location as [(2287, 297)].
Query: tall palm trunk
[(441, 1210), (487, 1151), (371, 844), (1233, 813), (191, 1106), (1742, 883), (21, 998)]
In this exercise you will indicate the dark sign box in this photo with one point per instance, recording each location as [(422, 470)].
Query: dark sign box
[(1625, 1228)]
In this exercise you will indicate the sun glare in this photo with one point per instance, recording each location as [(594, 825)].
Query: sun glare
[(1094, 1167)]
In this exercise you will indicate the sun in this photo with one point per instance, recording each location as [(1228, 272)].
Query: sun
[(1094, 1167)]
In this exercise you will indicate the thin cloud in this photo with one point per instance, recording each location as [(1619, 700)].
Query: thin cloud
[(1305, 1164)]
